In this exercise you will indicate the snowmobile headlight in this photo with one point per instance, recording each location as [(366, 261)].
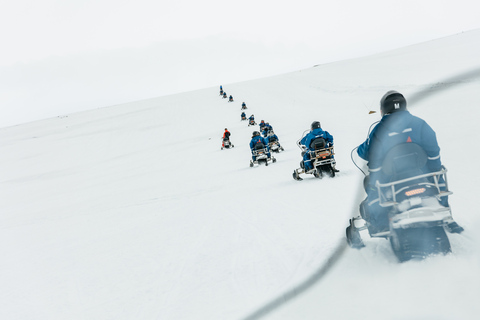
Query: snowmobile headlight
[(415, 192)]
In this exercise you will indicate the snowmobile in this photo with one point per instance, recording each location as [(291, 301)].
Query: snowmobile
[(416, 219), (260, 153), (227, 144), (244, 118), (267, 131), (321, 159), (230, 99), (274, 145), (251, 122)]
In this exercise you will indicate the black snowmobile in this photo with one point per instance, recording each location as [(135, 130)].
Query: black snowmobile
[(260, 152), (273, 144), (416, 220), (227, 144), (321, 159)]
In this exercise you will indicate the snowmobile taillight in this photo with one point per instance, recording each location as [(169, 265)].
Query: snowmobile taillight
[(415, 192)]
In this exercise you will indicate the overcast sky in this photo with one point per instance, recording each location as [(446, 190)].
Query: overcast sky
[(63, 56)]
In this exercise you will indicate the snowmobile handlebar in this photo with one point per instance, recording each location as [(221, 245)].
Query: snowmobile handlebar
[(301, 146), (304, 147)]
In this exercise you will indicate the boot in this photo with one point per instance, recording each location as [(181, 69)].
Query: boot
[(333, 167), (453, 227)]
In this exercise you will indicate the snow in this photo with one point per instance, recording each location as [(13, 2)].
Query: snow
[(134, 212)]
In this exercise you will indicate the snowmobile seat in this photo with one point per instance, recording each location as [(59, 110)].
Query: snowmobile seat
[(259, 146), (318, 143), (404, 160)]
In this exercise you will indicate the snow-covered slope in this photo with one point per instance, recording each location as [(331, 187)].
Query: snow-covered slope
[(134, 212)]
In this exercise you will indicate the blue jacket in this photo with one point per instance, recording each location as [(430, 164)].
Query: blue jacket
[(272, 138), (256, 140), (316, 133), (266, 129), (400, 127)]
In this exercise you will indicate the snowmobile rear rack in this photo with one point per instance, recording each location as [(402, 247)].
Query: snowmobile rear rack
[(387, 192)]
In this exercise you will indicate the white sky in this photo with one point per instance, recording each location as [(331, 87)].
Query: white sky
[(44, 35)]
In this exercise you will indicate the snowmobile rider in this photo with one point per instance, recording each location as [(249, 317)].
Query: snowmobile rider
[(262, 125), (397, 126), (244, 106), (272, 137), (266, 129), (315, 132), (224, 95), (230, 99), (226, 136), (243, 116), (256, 138)]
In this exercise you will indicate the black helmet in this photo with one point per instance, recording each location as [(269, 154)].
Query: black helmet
[(392, 101), (315, 125), (255, 133)]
